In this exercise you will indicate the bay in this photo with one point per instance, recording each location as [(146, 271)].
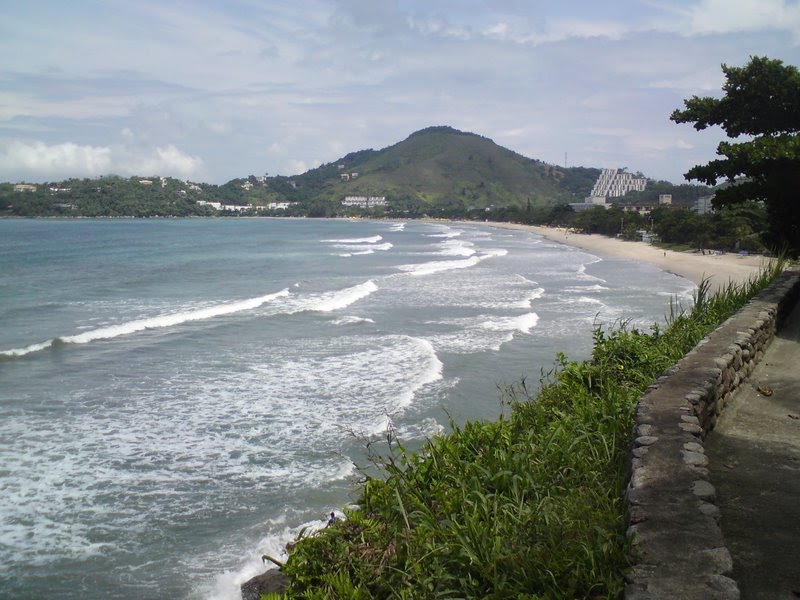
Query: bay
[(179, 397)]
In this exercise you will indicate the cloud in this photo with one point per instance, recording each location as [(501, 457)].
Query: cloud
[(729, 16), (38, 161), (34, 158), (165, 161)]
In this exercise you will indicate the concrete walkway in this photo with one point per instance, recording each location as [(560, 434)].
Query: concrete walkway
[(754, 456)]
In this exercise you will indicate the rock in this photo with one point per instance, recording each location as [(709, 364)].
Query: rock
[(273, 581)]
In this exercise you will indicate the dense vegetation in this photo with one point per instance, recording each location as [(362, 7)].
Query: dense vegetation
[(528, 506), (436, 170)]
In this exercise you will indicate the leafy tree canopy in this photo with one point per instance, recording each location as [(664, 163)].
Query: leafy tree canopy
[(761, 111)]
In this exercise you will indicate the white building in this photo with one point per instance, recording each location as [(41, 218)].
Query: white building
[(613, 183), (364, 201)]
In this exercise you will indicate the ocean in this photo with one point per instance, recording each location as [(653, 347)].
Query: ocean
[(180, 396)]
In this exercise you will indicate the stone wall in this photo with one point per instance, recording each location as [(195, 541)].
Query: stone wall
[(673, 519)]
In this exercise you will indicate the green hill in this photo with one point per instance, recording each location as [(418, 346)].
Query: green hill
[(440, 167), (437, 170)]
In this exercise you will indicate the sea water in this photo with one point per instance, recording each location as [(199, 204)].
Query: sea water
[(179, 397)]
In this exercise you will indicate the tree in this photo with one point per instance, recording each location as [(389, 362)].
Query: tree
[(761, 111)]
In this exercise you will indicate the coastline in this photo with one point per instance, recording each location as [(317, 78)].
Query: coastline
[(718, 269)]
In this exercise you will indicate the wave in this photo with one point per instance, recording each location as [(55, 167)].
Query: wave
[(324, 302), (397, 227), (437, 266), (528, 302), (363, 240), (456, 247), (586, 288), (523, 323), (351, 320), (449, 233), (330, 301), (159, 322), (371, 247)]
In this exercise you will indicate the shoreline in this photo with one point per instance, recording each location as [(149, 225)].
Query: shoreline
[(719, 269)]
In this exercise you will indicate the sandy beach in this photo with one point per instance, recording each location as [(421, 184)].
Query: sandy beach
[(719, 269)]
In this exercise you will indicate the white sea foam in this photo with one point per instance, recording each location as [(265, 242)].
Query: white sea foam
[(362, 240), (483, 333), (523, 323), (351, 320), (161, 321), (335, 300), (586, 288), (397, 227), (449, 233), (356, 248), (437, 266), (528, 301), (456, 247)]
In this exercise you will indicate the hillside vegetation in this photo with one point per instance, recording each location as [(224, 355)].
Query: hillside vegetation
[(438, 170), (441, 166)]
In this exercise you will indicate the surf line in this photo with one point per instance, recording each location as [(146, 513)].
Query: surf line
[(161, 321)]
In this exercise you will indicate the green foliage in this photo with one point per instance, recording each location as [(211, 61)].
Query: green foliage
[(528, 506), (762, 103), (441, 171)]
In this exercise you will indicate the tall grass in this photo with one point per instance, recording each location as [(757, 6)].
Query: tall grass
[(528, 506)]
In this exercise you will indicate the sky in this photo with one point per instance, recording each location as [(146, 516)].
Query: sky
[(211, 90)]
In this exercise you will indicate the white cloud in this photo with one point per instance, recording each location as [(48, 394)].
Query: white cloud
[(33, 158), (38, 161), (164, 161), (255, 86), (727, 16)]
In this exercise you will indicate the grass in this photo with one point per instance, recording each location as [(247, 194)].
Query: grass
[(527, 506)]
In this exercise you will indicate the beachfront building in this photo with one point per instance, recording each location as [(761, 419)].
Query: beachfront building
[(646, 208), (24, 187), (613, 183), (229, 207), (364, 201)]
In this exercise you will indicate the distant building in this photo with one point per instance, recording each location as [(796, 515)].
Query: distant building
[(24, 187), (364, 201), (664, 199), (216, 205), (228, 207), (613, 183), (146, 181), (703, 205), (591, 202), (279, 205), (642, 209)]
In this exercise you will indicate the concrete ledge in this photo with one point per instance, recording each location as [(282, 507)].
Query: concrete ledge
[(673, 518)]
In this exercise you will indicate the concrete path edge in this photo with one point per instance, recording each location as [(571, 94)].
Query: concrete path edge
[(673, 519)]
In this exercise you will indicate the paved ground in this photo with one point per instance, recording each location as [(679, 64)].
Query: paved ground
[(754, 457)]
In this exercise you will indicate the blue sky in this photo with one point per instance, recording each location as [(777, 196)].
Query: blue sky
[(212, 90)]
